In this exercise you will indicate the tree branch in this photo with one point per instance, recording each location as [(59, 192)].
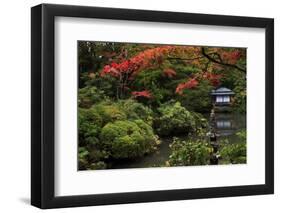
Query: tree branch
[(185, 59), (221, 62)]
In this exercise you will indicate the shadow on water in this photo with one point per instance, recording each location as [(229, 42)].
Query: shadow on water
[(227, 125)]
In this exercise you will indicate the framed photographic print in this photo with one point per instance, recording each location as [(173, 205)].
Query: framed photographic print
[(139, 106)]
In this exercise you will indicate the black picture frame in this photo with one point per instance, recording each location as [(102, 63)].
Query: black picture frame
[(43, 102)]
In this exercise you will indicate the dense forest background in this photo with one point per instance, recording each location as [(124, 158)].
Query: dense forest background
[(132, 96)]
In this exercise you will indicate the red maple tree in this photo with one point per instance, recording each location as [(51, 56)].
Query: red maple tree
[(128, 69)]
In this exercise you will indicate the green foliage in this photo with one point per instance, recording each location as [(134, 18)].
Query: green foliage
[(127, 139), (187, 153), (107, 85), (135, 110), (93, 119), (154, 81), (162, 87), (240, 96), (200, 120), (90, 95), (98, 165), (109, 112), (130, 109), (94, 55), (242, 135), (197, 99), (173, 120), (90, 123), (114, 130), (82, 158), (91, 158), (236, 81), (235, 153)]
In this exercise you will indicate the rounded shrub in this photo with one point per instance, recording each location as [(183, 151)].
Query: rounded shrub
[(127, 139), (135, 110), (187, 153), (109, 112), (173, 120)]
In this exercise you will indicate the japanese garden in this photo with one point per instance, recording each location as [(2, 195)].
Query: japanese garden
[(158, 105)]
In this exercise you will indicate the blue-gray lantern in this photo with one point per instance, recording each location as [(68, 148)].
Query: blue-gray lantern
[(222, 96)]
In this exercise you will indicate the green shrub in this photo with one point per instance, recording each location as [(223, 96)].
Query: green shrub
[(109, 112), (174, 119), (242, 135), (235, 153), (93, 119), (82, 158), (135, 110), (236, 82), (200, 126), (90, 158), (91, 155), (101, 114), (98, 165), (187, 153), (90, 123), (127, 139), (95, 147), (90, 95)]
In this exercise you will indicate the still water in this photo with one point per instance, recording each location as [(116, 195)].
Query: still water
[(227, 125)]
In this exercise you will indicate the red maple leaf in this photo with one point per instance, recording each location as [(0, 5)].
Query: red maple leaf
[(169, 72), (143, 93), (192, 83)]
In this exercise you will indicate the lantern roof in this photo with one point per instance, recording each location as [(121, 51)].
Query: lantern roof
[(222, 91)]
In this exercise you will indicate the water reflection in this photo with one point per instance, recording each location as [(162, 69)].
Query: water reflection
[(228, 124), (224, 124)]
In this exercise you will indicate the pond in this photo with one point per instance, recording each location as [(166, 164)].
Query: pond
[(227, 125)]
